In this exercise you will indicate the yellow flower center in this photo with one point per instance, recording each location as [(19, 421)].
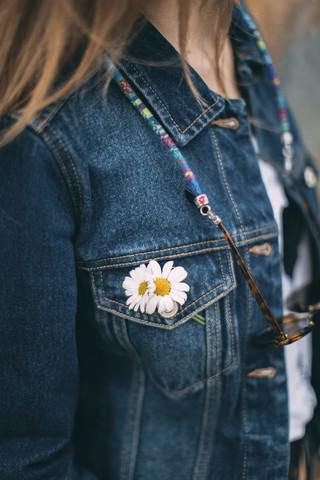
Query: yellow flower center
[(142, 288), (163, 286)]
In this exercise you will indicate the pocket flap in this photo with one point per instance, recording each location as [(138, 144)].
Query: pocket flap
[(210, 276)]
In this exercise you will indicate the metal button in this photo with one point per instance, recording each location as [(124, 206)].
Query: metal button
[(264, 249), (232, 123), (310, 177), (267, 372), (171, 313)]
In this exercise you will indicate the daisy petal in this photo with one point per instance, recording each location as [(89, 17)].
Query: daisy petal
[(152, 304), (168, 303), (133, 300), (131, 293), (177, 274), (161, 306), (180, 286), (131, 289), (131, 305), (143, 303), (155, 268), (182, 295), (134, 274), (141, 274), (179, 297), (151, 287), (143, 268), (129, 282), (129, 300), (167, 269)]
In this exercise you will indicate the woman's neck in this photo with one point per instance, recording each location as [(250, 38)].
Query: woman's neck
[(200, 48)]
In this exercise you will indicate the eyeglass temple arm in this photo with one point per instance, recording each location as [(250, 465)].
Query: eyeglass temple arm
[(268, 315)]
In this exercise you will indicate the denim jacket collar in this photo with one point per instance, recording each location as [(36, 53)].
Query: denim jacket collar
[(151, 59)]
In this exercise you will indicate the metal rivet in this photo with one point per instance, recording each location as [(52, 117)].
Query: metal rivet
[(310, 177), (172, 312)]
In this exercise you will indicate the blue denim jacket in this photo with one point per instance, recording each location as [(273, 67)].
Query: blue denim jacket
[(93, 390)]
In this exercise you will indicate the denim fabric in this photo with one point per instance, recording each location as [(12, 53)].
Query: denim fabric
[(91, 389)]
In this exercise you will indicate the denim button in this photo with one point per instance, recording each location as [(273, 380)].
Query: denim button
[(310, 177)]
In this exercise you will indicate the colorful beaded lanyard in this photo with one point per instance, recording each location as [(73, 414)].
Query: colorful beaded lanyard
[(286, 136), (200, 198)]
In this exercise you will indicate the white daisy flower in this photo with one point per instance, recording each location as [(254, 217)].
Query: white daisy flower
[(166, 287), (136, 288)]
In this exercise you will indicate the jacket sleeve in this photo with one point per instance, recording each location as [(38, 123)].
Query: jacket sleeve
[(38, 301)]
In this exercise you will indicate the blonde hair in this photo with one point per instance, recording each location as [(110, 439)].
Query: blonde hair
[(39, 38)]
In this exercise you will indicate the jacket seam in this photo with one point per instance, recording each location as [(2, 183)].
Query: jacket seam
[(229, 311), (219, 240), (163, 105), (156, 258), (40, 122), (183, 254), (63, 145), (232, 331), (225, 179), (243, 385), (64, 169), (134, 411), (205, 422), (153, 251), (212, 423)]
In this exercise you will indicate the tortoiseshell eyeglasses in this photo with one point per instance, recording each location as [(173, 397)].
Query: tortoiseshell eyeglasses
[(303, 305)]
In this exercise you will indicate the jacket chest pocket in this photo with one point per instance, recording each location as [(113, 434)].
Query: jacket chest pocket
[(194, 345)]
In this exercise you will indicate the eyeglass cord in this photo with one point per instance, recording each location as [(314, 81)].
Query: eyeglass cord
[(286, 135), (200, 198)]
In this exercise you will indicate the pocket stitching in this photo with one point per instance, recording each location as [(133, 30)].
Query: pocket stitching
[(204, 380), (183, 254), (224, 246)]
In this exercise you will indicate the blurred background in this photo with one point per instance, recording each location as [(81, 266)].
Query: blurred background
[(291, 29)]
